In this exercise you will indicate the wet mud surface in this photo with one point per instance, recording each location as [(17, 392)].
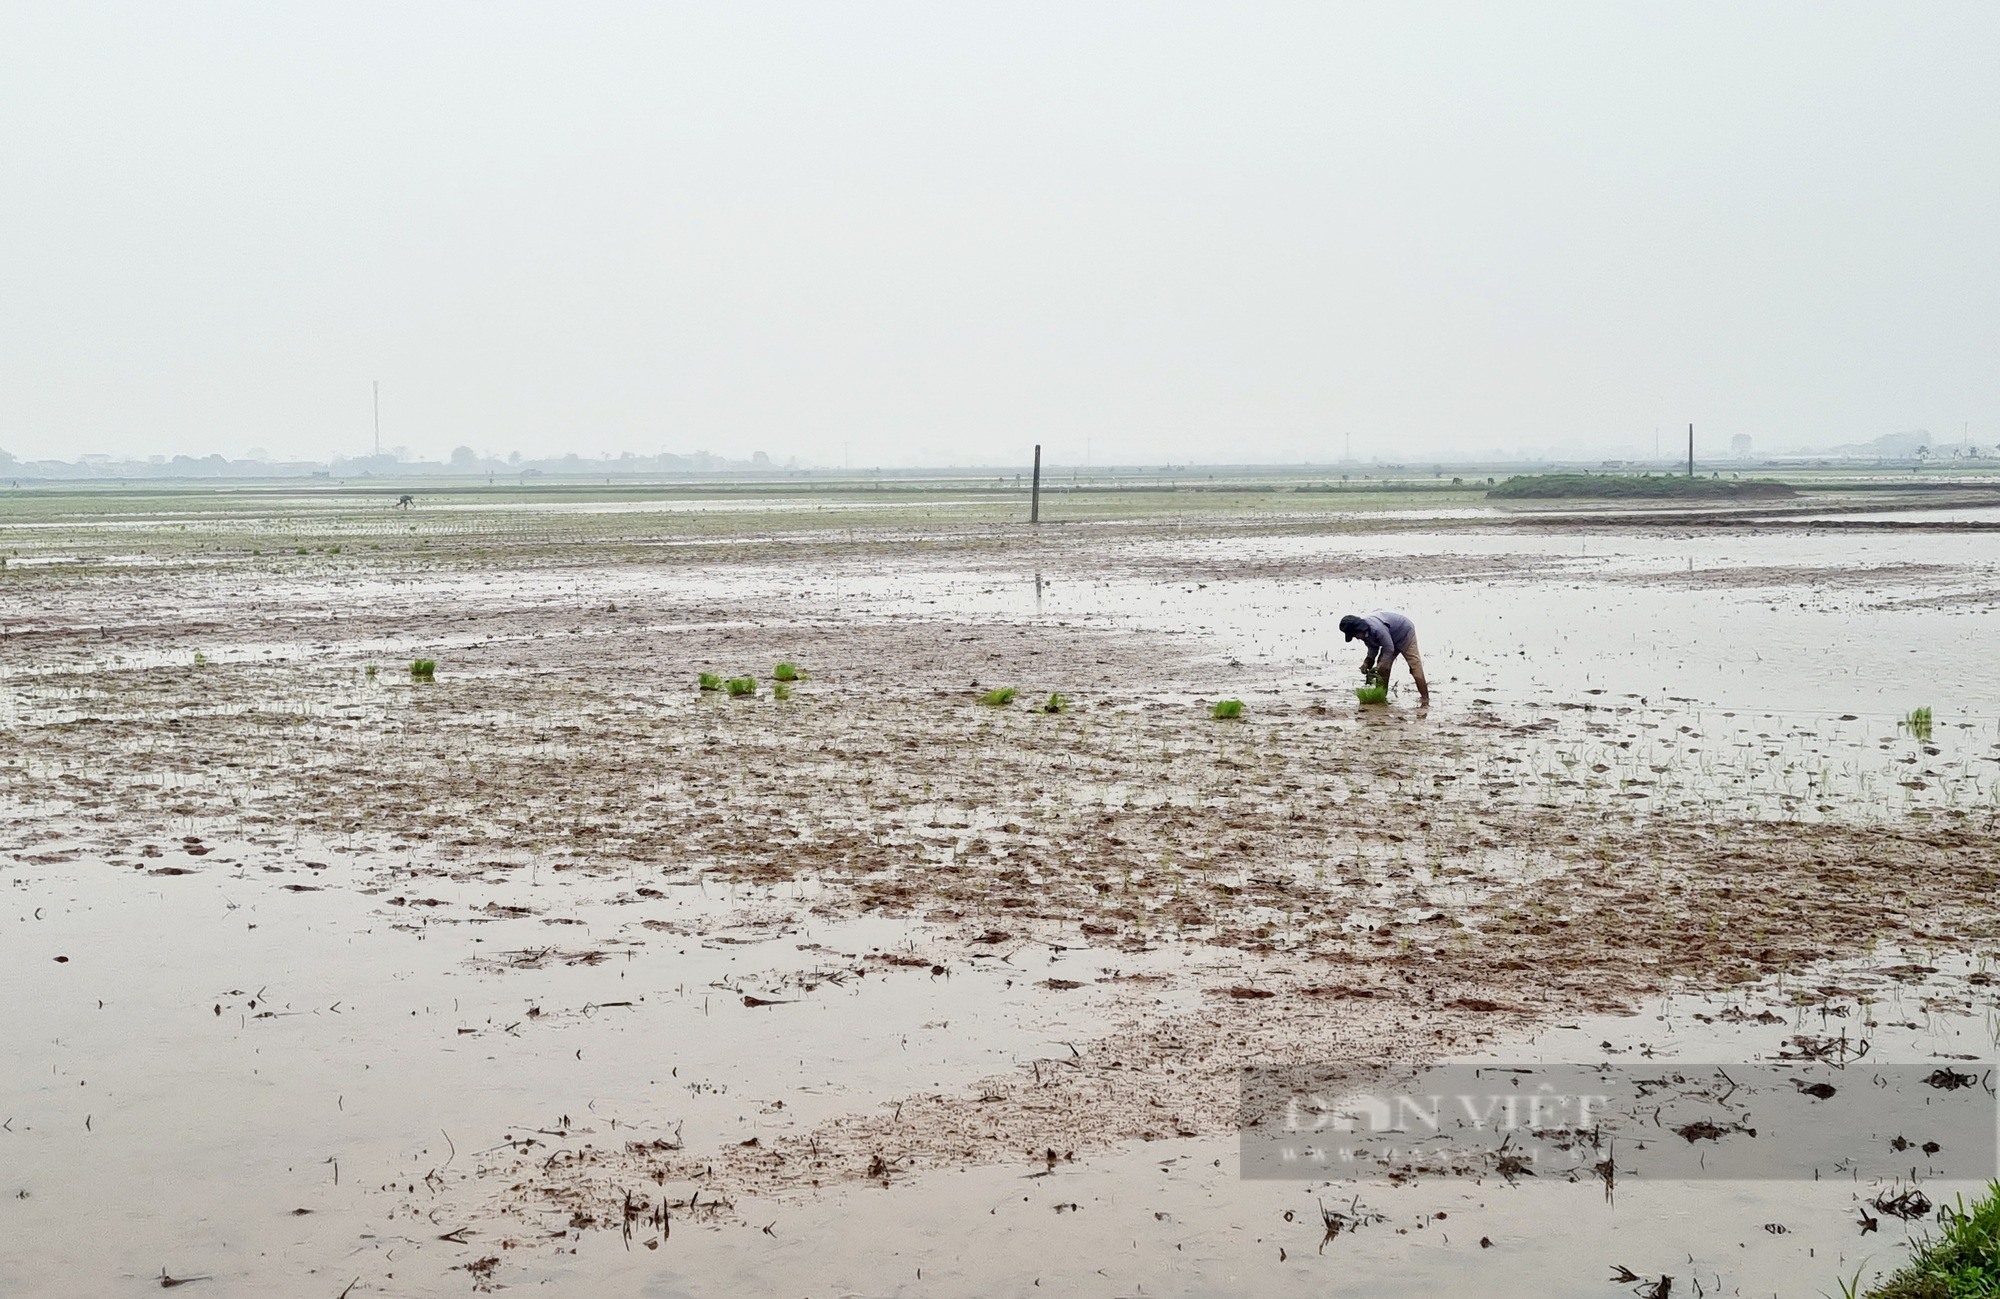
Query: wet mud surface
[(559, 969)]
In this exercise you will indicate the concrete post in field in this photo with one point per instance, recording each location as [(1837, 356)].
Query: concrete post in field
[(1690, 450), (1035, 489)]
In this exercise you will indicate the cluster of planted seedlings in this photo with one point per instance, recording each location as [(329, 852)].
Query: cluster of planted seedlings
[(421, 670), (1918, 724), (1375, 692), (784, 675), (1000, 698), (1226, 710)]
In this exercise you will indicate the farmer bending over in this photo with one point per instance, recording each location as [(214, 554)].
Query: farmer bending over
[(1387, 633)]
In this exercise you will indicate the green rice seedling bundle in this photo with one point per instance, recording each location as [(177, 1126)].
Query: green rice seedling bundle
[(1375, 692), (740, 687), (369, 671), (788, 672), (424, 670), (1226, 709), (1056, 704), (710, 681), (999, 698), (1918, 724), (781, 691)]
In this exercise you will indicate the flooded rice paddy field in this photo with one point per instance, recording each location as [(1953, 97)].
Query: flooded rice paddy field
[(559, 971)]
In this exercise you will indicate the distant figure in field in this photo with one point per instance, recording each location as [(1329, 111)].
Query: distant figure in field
[(1388, 634)]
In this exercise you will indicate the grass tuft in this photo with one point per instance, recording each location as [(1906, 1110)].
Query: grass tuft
[(781, 691), (709, 681), (740, 687), (788, 672), (1226, 709), (1056, 704), (1918, 724), (999, 698), (1963, 1260), (424, 670)]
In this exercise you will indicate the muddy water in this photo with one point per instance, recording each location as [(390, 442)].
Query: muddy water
[(220, 1054), (206, 1055), (1803, 624), (1724, 661), (413, 1027), (1176, 1218)]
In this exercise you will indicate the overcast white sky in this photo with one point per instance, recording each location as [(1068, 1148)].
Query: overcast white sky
[(936, 233)]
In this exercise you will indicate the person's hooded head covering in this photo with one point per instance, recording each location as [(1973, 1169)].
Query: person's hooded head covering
[(1352, 626)]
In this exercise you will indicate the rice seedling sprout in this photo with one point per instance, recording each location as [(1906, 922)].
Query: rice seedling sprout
[(423, 670), (1226, 709), (741, 687), (999, 698), (709, 681), (788, 672), (1056, 704)]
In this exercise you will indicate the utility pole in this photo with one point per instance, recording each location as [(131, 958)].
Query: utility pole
[(1035, 490), (1690, 450), (378, 417)]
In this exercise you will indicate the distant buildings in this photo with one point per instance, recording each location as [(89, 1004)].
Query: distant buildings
[(394, 463)]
